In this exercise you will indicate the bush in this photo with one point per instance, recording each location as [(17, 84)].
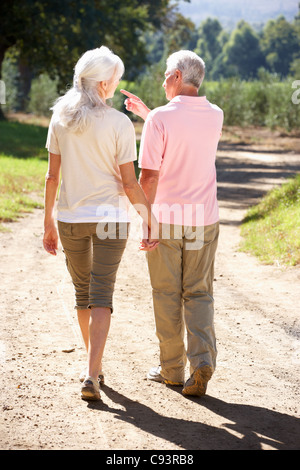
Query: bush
[(266, 102), (42, 95)]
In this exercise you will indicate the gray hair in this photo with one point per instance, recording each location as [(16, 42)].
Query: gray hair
[(191, 66), (82, 100)]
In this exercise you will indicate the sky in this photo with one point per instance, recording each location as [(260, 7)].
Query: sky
[(229, 12)]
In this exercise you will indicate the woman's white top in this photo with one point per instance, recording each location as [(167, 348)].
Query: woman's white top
[(91, 187)]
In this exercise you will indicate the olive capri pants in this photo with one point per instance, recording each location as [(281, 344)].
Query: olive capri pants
[(92, 261), (182, 288)]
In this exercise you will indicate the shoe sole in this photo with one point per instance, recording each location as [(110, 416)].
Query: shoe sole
[(174, 384), (201, 376), (87, 393), (160, 379)]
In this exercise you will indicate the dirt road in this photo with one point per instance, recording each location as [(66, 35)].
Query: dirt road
[(252, 401)]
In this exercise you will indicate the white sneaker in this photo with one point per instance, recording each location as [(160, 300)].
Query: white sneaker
[(90, 389), (155, 375), (84, 373)]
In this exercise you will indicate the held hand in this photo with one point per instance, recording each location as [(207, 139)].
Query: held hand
[(134, 104), (50, 240), (150, 239), (148, 245)]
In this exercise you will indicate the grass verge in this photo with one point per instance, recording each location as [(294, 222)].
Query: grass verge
[(23, 165), (23, 140), (271, 229), (19, 179)]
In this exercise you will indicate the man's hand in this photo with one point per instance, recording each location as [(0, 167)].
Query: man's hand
[(134, 104), (148, 245), (150, 239)]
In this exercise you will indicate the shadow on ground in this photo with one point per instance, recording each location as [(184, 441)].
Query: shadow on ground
[(245, 427)]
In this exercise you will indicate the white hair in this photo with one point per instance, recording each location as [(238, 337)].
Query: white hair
[(191, 66), (83, 99)]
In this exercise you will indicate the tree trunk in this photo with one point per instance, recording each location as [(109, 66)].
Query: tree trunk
[(24, 83)]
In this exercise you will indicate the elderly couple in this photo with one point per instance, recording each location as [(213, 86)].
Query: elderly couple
[(93, 147)]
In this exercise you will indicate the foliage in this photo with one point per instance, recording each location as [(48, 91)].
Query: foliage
[(249, 73), (271, 229), (10, 76), (210, 43), (42, 95), (149, 86), (51, 35), (262, 102), (238, 53), (280, 44), (266, 101), (243, 53)]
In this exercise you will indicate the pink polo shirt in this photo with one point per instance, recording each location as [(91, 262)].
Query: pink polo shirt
[(180, 140)]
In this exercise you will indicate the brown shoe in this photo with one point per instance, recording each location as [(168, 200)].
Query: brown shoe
[(197, 383)]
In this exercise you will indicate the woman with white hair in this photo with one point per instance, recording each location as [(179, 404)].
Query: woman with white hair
[(93, 146)]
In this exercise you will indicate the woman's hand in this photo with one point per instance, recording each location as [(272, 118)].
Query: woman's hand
[(136, 105), (148, 245), (50, 240), (150, 239)]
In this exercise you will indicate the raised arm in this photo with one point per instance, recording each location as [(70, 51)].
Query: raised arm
[(134, 104)]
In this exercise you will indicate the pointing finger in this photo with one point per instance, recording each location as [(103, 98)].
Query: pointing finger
[(130, 95)]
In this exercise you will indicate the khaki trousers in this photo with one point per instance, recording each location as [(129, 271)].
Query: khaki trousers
[(182, 287), (93, 254)]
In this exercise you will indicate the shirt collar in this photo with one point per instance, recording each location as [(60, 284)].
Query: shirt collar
[(188, 99)]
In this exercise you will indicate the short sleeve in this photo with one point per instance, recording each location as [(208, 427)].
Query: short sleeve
[(52, 141), (152, 145), (126, 142)]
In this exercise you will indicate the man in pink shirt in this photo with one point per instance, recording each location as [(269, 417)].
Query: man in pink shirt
[(178, 175)]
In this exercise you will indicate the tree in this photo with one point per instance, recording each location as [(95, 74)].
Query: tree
[(280, 44), (210, 43), (52, 34), (242, 53), (180, 34), (295, 65)]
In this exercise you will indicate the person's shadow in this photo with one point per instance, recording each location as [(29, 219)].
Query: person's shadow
[(255, 426)]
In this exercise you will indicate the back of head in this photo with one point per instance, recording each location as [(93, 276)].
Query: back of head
[(95, 66), (82, 100), (191, 66)]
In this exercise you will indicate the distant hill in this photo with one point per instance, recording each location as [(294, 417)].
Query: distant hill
[(229, 12)]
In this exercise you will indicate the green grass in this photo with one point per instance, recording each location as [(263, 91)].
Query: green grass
[(23, 165), (19, 178), (23, 140), (271, 229)]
